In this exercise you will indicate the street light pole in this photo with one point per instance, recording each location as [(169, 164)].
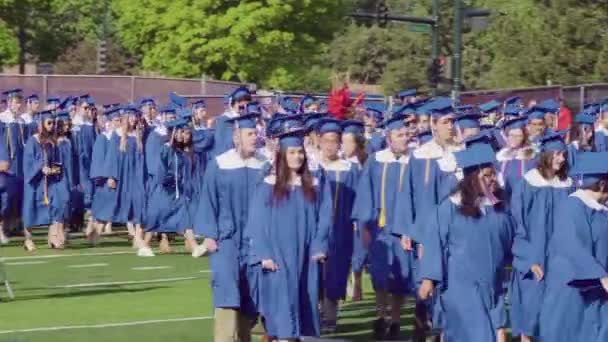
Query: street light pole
[(457, 55), (435, 38)]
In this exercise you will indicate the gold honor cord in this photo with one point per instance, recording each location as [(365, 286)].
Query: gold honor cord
[(382, 218), (427, 171), (11, 150), (401, 172)]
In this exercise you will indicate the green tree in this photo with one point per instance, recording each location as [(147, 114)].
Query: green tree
[(9, 48), (259, 41)]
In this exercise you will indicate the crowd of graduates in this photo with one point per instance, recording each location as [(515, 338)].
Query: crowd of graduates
[(487, 215)]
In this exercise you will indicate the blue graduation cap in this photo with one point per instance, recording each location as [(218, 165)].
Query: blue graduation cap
[(589, 167), (168, 109), (239, 94), (374, 114), (53, 101), (177, 100), (44, 115), (353, 127), (553, 142), (327, 125), (480, 138), (185, 113), (375, 105), (466, 109), (113, 113), (475, 155), (310, 120), (490, 106), (515, 123), (305, 102), (536, 113), (288, 104), (425, 136), (407, 109), (396, 121), (63, 116), (468, 120), (32, 98), (407, 93), (253, 108), (202, 139), (550, 105), (16, 92), (245, 121), (514, 100), (130, 110), (177, 123), (585, 119), (68, 101), (441, 106), (292, 136), (199, 104), (512, 110), (147, 101), (274, 124)]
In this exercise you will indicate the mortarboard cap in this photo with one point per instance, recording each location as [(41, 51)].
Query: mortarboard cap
[(305, 102), (353, 127), (515, 123), (273, 125), (467, 120), (490, 106), (130, 110), (396, 121), (514, 100), (44, 115), (475, 155), (245, 121), (585, 119), (425, 136), (535, 113), (177, 100), (168, 109), (512, 110), (292, 136), (185, 113), (310, 120), (589, 167), (147, 101), (549, 105), (407, 93), (374, 114), (16, 92), (553, 142), (63, 116), (239, 94), (202, 139), (326, 125), (199, 104), (53, 100), (177, 123), (253, 108), (33, 97)]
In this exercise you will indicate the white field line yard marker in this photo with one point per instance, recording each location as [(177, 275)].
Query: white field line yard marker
[(53, 256), (88, 265), (127, 282), (106, 325), (149, 268), (23, 263)]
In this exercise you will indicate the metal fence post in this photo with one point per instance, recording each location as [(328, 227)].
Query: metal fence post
[(45, 87), (581, 98), (203, 84), (132, 88)]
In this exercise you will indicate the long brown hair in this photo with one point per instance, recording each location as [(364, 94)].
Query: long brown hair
[(360, 151), (545, 165), (282, 185), (469, 189), (124, 131), (576, 134), (44, 136)]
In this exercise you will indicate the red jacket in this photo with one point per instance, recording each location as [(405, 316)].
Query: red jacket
[(564, 119)]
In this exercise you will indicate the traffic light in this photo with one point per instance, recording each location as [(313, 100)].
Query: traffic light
[(102, 53), (435, 71), (382, 13)]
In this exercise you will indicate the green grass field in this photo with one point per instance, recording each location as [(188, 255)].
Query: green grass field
[(106, 293)]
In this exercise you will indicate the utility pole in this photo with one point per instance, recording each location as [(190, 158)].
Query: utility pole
[(457, 55), (435, 40)]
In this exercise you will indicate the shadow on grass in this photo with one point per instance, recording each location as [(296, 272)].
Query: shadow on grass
[(75, 293)]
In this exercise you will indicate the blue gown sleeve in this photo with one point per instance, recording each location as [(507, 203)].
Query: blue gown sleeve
[(319, 243), (110, 168), (33, 162), (522, 248), (206, 222), (404, 219), (433, 264), (256, 234), (364, 209)]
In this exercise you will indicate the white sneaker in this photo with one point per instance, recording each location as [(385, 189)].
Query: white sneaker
[(4, 240), (199, 251), (145, 252)]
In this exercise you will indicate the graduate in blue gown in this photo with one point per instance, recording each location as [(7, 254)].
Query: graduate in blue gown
[(229, 183), (581, 137), (467, 245), (46, 192), (534, 205), (574, 306), (375, 137), (516, 158), (536, 126), (342, 178), (177, 176), (601, 131), (375, 209), (424, 186), (69, 165), (103, 198), (125, 170), (288, 231), (5, 190), (238, 101), (353, 148), (28, 124), (11, 132)]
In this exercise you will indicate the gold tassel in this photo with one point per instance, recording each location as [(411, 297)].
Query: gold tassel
[(382, 217), (427, 171)]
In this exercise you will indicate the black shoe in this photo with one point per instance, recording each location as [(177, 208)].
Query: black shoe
[(379, 329), (394, 332)]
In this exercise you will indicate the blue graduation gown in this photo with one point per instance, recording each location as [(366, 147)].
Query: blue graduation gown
[(84, 137), (11, 133), (104, 199), (128, 168), (154, 144), (390, 266), (601, 140), (69, 165), (342, 177), (533, 205), (512, 166), (7, 186), (290, 233), (573, 151), (376, 142), (578, 252), (38, 188), (360, 253), (223, 134), (467, 256), (168, 205), (222, 215)]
